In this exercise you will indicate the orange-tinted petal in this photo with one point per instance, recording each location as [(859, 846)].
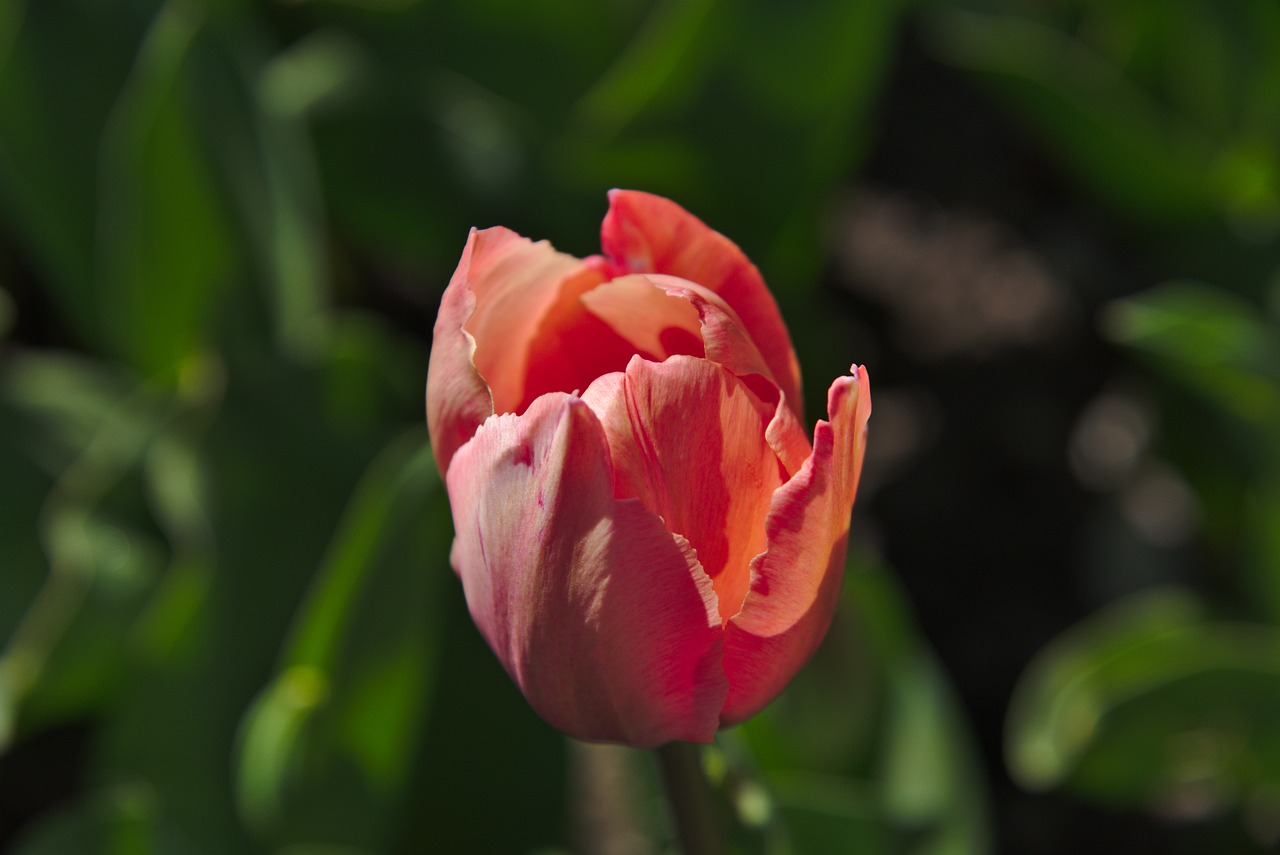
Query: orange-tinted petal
[(687, 438), (516, 284), (725, 341), (604, 619), (643, 233), (795, 583), (585, 334)]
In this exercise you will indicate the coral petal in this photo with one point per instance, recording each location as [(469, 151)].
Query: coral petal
[(687, 438), (725, 341), (656, 324), (483, 344), (517, 283), (643, 233), (795, 583), (604, 619)]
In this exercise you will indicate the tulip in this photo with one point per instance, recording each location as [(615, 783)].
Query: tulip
[(644, 534)]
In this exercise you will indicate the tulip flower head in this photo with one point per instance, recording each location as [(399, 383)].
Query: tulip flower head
[(645, 534)]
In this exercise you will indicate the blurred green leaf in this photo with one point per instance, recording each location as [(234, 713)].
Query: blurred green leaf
[(830, 814), (101, 561), (1132, 151), (1220, 345), (479, 725), (899, 768), (667, 50), (180, 500), (1225, 351), (127, 819), (373, 374), (324, 848), (322, 67), (74, 398), (260, 153), (269, 751), (247, 484), (164, 245), (51, 118), (22, 562), (1151, 703), (387, 697), (10, 24), (64, 660), (387, 497), (931, 783)]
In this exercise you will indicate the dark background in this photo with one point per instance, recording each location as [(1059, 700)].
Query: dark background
[(1048, 229)]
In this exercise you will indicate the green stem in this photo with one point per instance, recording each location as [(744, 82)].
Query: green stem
[(696, 820)]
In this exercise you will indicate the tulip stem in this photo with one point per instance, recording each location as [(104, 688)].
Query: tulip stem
[(689, 796)]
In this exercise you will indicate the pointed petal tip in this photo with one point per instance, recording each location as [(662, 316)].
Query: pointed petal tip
[(796, 581)]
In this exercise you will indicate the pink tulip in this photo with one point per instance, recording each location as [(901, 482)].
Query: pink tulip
[(645, 536)]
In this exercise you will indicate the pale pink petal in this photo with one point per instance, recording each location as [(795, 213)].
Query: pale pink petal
[(458, 400), (604, 619), (795, 583), (687, 438), (643, 233)]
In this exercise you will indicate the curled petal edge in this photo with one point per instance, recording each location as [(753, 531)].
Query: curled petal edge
[(457, 398), (490, 312), (795, 583), (644, 233), (726, 341)]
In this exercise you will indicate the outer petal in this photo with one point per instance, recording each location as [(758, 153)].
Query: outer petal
[(687, 438), (643, 233), (458, 399), (795, 583), (604, 619)]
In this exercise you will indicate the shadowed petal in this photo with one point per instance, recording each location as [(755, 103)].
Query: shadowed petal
[(725, 341), (687, 438), (604, 619), (795, 583), (643, 233), (585, 334)]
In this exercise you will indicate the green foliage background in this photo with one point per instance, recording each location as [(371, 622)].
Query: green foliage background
[(227, 618)]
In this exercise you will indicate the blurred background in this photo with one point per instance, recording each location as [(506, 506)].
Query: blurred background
[(1049, 228)]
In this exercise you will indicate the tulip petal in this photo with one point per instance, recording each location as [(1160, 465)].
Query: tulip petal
[(517, 283), (458, 401), (726, 342), (687, 438), (643, 233), (657, 323), (795, 583), (604, 619), (481, 347), (589, 333)]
